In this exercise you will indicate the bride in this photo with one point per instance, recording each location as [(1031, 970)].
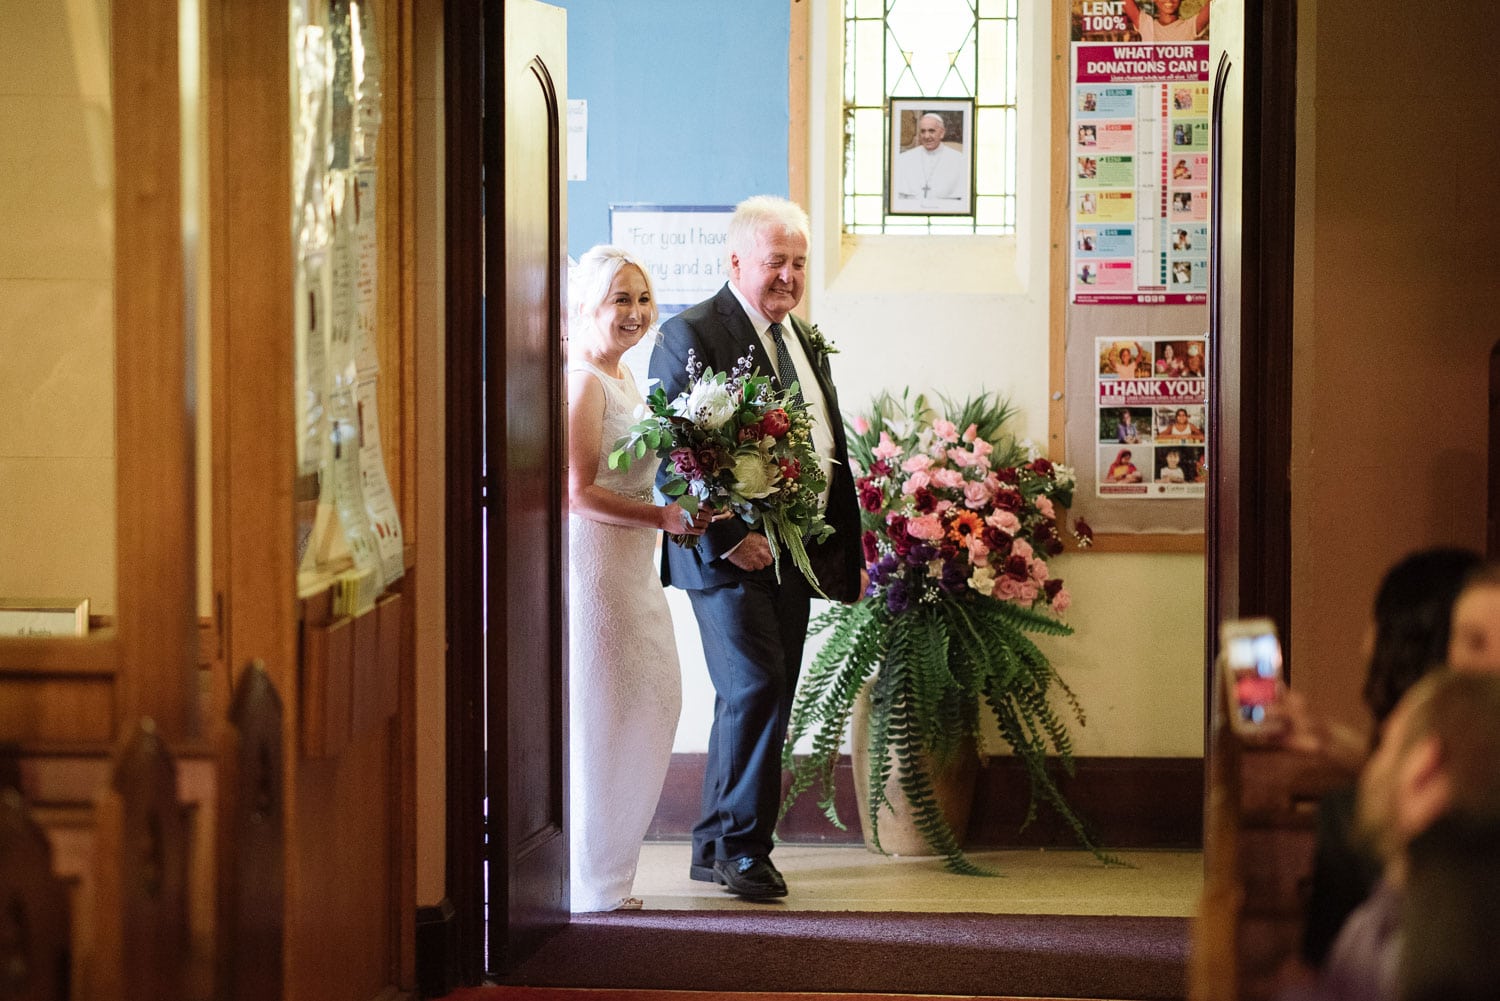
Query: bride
[(624, 687)]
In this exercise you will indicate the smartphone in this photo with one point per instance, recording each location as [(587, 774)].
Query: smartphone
[(1251, 655)]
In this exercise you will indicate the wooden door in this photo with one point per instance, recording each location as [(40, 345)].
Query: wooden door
[(525, 453)]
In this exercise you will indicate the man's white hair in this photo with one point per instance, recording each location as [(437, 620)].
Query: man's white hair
[(759, 213)]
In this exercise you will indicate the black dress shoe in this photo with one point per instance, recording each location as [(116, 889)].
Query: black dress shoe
[(702, 873), (750, 876)]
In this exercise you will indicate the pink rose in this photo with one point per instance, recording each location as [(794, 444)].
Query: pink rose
[(1039, 571), (960, 458), (927, 526), (982, 448), (916, 482), (947, 478), (1029, 591), (939, 507), (977, 495), (945, 430), (917, 463), (1062, 601), (1023, 548), (887, 449), (977, 549), (971, 432), (1007, 587), (861, 425), (1044, 505), (1005, 521)]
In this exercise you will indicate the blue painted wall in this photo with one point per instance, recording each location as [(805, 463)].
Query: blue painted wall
[(688, 104)]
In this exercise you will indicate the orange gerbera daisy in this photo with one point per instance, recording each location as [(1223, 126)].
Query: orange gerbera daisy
[(963, 524)]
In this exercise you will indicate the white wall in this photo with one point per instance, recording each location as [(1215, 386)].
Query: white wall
[(962, 314)]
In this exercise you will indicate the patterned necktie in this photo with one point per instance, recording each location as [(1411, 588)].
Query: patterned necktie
[(784, 366)]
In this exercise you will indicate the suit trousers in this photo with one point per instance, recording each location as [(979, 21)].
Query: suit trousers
[(753, 634)]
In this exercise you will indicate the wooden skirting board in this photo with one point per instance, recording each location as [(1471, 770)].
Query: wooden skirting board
[(1126, 802)]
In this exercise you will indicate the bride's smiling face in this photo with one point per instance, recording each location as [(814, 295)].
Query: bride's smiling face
[(625, 315)]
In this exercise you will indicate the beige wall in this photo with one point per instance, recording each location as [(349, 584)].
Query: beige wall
[(57, 470), (1395, 315)]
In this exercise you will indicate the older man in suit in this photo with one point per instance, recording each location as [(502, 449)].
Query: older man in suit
[(753, 626)]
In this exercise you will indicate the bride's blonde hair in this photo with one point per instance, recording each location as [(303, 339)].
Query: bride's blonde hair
[(588, 286)]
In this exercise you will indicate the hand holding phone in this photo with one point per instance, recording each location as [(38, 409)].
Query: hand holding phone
[(1251, 655)]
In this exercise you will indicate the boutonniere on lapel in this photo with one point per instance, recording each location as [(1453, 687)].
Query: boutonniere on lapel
[(820, 344)]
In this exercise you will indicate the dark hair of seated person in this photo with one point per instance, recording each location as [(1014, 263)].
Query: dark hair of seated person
[(1450, 912), (1413, 609)]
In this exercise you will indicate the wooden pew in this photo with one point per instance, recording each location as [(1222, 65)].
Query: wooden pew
[(35, 932), (1258, 858), (251, 844), (141, 946)]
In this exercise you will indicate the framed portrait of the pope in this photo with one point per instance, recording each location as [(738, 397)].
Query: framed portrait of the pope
[(931, 166)]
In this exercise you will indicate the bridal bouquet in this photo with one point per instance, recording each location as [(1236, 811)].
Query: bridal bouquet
[(735, 444)]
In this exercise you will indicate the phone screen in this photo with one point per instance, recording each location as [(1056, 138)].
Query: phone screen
[(1255, 669)]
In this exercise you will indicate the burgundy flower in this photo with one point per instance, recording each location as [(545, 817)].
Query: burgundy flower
[(775, 422), (871, 547), (925, 500), (1052, 587), (870, 497), (750, 432), (685, 461), (1009, 500), (1017, 568), (896, 532), (997, 541), (1006, 475), (880, 468), (1041, 467), (1084, 532), (1054, 546)]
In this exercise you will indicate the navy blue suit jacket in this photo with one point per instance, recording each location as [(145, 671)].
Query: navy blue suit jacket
[(719, 333)]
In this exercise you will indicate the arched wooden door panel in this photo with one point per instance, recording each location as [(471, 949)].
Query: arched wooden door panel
[(525, 455)]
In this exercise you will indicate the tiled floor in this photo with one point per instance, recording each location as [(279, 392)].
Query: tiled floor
[(1155, 883)]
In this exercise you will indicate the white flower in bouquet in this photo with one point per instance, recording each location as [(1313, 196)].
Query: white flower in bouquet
[(709, 405), (754, 475)]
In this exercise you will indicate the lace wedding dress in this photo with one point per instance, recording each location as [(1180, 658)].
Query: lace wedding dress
[(624, 686)]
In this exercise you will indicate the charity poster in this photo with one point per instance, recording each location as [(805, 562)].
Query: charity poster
[(1151, 416), (1139, 165)]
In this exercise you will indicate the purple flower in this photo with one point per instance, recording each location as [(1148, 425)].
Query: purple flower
[(920, 553), (955, 576), (898, 598)]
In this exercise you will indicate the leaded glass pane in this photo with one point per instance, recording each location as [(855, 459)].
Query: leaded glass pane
[(941, 49)]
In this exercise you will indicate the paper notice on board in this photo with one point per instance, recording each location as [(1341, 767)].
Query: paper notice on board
[(1139, 170), (1151, 412), (380, 503), (578, 140), (366, 304)]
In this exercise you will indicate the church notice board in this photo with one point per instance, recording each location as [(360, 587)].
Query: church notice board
[(1137, 235)]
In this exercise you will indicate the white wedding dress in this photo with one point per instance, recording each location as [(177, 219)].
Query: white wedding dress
[(624, 685)]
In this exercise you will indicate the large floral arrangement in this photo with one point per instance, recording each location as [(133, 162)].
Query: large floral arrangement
[(959, 520), (734, 443)]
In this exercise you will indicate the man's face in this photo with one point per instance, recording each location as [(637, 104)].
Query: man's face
[(772, 274), (930, 132)]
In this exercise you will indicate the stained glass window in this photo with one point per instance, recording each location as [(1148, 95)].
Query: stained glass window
[(937, 49)]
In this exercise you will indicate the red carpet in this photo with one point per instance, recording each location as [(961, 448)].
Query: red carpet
[(1133, 958)]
